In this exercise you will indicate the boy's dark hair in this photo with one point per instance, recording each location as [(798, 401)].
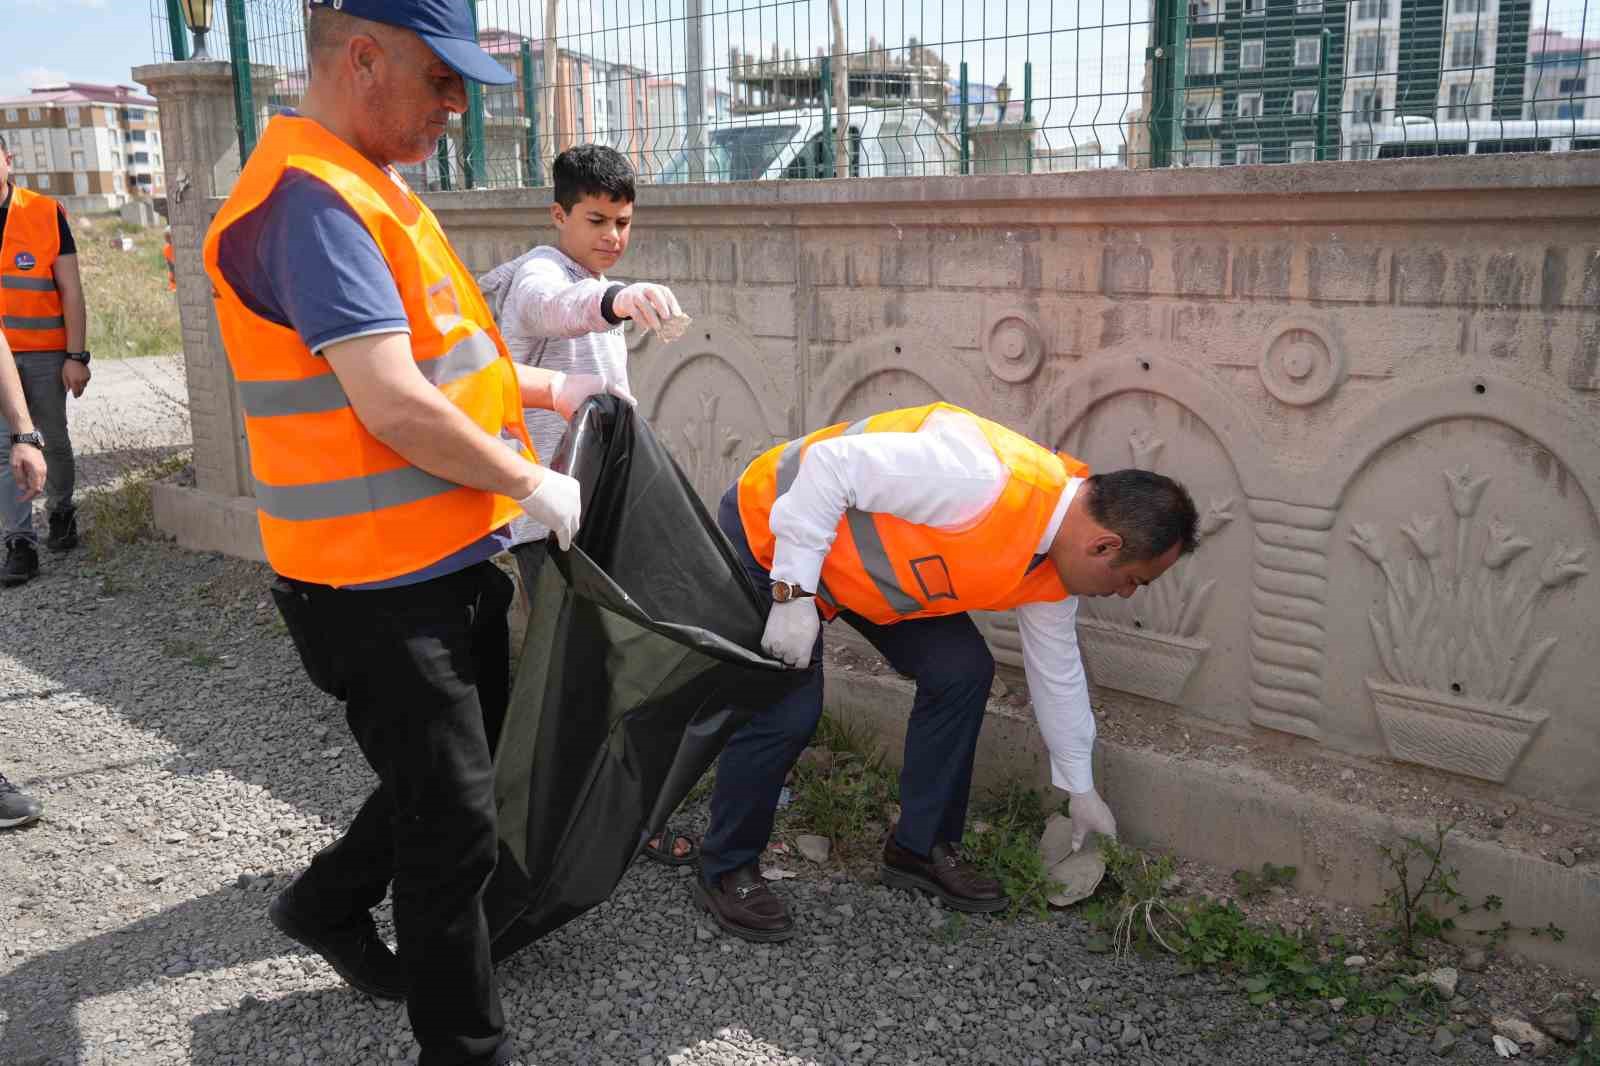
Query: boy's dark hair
[(592, 170), (1149, 511)]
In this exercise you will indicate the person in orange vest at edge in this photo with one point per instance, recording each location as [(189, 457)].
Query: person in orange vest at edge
[(171, 261), (901, 524), (389, 455), (45, 321)]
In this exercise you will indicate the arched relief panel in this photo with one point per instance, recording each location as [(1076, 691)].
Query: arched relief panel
[(901, 369), (1464, 618), (715, 398), (1180, 641)]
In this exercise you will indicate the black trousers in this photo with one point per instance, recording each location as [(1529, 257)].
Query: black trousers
[(424, 669)]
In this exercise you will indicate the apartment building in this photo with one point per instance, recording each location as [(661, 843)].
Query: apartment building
[(93, 147), (1563, 77)]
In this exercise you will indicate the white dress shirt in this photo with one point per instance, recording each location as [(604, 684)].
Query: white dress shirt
[(945, 476)]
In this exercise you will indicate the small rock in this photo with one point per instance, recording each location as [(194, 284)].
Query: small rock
[(1509, 810), (1130, 1035), (1561, 1023), (1364, 1025), (1348, 775), (1319, 1035), (1444, 979), (1505, 1048), (1475, 961), (1355, 962), (1337, 1003), (1520, 1030), (1565, 857), (1497, 821), (1466, 986), (1546, 829), (817, 759), (1443, 1041), (814, 847)]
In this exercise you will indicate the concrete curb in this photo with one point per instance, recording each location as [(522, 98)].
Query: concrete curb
[(1236, 818), (204, 521)]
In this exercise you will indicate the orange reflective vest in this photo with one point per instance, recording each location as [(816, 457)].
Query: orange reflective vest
[(30, 306), (886, 569), (336, 505)]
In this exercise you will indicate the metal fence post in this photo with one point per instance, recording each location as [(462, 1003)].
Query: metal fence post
[(1165, 88), (532, 171), (825, 165), (966, 142), (444, 161), (474, 162), (695, 88), (1027, 115), (244, 103), (178, 29), (1322, 97)]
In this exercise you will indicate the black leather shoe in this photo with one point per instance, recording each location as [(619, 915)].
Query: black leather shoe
[(744, 905), (22, 564), (63, 531), (942, 873), (354, 949)]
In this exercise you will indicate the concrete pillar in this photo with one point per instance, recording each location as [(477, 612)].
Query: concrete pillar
[(201, 151)]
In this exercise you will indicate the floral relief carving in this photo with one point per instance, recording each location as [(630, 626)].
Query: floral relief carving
[(715, 453), (1455, 635), (1149, 644)]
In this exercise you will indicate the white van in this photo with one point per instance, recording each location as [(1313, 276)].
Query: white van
[(883, 142)]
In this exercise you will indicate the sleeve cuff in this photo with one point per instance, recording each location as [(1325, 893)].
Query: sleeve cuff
[(607, 310), (796, 566), (1072, 773)]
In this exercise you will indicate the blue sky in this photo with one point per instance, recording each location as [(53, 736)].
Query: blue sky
[(81, 40)]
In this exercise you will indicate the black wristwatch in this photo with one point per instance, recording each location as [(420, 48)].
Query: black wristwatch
[(79, 357), (784, 591), (34, 438)]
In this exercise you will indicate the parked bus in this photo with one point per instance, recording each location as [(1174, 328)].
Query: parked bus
[(1412, 136)]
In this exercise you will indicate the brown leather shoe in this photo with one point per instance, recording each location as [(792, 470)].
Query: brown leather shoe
[(944, 875), (743, 905)]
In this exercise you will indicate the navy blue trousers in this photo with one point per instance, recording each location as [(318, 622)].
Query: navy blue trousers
[(953, 670)]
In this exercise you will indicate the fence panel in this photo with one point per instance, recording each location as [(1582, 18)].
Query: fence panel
[(734, 90)]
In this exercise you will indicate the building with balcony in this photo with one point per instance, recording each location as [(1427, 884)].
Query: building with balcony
[(93, 147)]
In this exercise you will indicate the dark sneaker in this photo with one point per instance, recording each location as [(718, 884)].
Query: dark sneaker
[(17, 807), (354, 950), (22, 564), (944, 875), (63, 531), (745, 906)]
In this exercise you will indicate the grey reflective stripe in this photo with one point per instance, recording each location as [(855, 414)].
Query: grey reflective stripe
[(469, 356), (789, 461), (869, 545), (20, 322), (13, 281), (298, 396), (350, 496), (315, 395)]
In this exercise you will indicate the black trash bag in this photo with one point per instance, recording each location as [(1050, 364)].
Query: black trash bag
[(638, 650)]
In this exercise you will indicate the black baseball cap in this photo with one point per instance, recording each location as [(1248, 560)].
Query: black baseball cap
[(444, 26)]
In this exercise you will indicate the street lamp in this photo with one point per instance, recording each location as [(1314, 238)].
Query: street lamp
[(1002, 96), (197, 13)]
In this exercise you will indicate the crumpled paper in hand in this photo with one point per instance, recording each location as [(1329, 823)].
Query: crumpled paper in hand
[(1077, 874), (673, 328)]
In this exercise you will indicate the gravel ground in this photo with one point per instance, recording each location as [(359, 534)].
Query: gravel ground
[(188, 770)]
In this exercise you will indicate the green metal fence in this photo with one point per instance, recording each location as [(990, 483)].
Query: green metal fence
[(717, 90)]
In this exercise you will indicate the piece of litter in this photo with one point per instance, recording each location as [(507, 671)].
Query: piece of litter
[(1078, 874), (785, 798), (673, 328), (774, 874), (1505, 1048)]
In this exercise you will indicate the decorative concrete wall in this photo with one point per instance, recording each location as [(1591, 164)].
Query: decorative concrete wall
[(1379, 381)]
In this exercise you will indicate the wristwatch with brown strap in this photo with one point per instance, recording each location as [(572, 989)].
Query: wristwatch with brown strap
[(784, 591)]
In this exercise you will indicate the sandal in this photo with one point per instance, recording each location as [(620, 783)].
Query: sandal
[(666, 852)]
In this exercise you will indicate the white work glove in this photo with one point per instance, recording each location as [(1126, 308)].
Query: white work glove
[(1089, 814), (792, 632), (556, 504), (647, 304), (568, 391)]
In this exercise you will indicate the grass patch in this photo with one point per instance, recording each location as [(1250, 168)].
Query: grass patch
[(131, 313), (1003, 841), (195, 653), (125, 514), (842, 785)]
